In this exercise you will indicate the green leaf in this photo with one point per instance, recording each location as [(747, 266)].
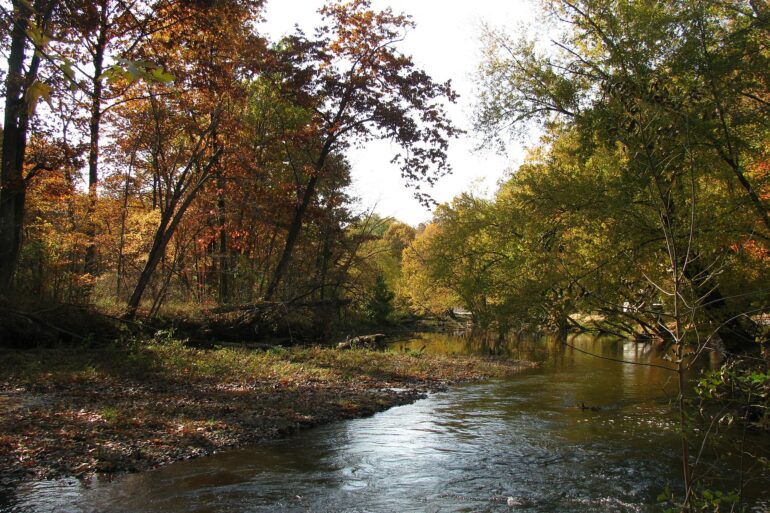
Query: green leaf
[(162, 76), (69, 72), (36, 91), (38, 37), (115, 73), (133, 70), (136, 70)]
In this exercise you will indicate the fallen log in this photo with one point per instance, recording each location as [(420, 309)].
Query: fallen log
[(374, 341), (248, 345), (270, 305)]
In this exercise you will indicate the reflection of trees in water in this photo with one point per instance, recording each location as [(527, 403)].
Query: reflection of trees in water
[(535, 347), (624, 404), (551, 348)]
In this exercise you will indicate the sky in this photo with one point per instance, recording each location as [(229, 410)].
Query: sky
[(446, 44)]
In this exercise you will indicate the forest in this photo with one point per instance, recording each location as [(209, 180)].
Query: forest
[(215, 159), (168, 156), (646, 195), (173, 179)]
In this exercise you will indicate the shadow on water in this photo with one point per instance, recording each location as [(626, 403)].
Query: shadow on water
[(577, 434)]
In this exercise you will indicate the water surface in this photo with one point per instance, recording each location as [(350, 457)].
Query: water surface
[(467, 449)]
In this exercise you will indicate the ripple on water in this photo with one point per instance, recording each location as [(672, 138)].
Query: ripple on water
[(467, 449)]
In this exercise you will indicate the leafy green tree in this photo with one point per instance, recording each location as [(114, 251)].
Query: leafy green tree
[(657, 111), (654, 108), (380, 304)]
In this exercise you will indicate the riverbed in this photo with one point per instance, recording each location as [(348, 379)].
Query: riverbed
[(579, 434)]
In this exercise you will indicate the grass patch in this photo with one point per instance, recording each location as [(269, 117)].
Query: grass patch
[(171, 360)]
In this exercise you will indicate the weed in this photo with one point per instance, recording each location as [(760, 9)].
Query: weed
[(110, 414)]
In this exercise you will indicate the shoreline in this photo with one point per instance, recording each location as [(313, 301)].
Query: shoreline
[(81, 412)]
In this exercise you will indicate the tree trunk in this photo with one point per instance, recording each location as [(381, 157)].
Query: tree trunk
[(325, 254), (94, 127), (162, 236), (296, 223), (161, 296), (291, 237), (16, 125), (122, 234), (121, 265), (169, 222), (223, 269), (265, 269), (326, 249)]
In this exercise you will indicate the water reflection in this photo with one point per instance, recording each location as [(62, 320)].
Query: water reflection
[(467, 449)]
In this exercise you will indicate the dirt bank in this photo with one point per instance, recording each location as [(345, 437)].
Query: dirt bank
[(134, 406)]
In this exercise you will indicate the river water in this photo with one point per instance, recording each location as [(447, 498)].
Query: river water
[(525, 441)]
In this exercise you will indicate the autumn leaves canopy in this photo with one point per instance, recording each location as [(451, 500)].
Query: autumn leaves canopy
[(212, 152)]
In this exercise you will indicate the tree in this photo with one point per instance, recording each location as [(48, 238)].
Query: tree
[(611, 77), (44, 26), (181, 161), (380, 304), (420, 286), (357, 87), (27, 22), (183, 144), (103, 30)]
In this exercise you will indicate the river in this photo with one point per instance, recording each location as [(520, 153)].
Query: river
[(521, 444)]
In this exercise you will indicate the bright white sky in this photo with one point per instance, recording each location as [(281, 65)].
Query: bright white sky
[(446, 45)]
